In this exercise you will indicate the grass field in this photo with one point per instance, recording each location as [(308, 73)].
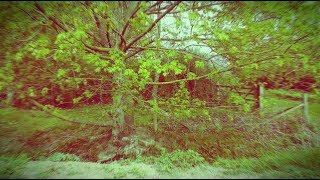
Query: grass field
[(26, 122)]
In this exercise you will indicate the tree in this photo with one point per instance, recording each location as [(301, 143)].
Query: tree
[(119, 42)]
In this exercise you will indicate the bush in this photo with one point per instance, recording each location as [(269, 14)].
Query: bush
[(60, 157)]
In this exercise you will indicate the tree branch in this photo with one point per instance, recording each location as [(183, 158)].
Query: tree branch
[(154, 5), (139, 49), (180, 51), (34, 18), (94, 38), (54, 20), (123, 42), (94, 48), (211, 73), (154, 11), (108, 36), (128, 21), (101, 30), (296, 41), (152, 25)]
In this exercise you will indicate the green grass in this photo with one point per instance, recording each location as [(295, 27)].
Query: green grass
[(283, 92), (298, 163), (177, 159), (12, 165), (27, 122), (118, 169), (273, 105), (273, 93), (295, 163), (96, 114), (314, 113)]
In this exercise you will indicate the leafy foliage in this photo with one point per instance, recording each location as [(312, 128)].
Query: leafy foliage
[(182, 107)]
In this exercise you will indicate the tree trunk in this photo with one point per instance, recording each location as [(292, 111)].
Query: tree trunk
[(256, 96), (154, 97), (118, 101), (9, 98), (156, 79)]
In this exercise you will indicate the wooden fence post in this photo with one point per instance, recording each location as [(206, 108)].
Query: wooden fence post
[(305, 106), (261, 92)]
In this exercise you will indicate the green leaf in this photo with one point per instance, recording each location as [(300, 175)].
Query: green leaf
[(61, 73), (31, 92), (234, 50), (144, 73), (280, 62), (18, 56), (191, 75), (222, 36), (199, 64), (40, 53), (193, 15), (97, 70), (187, 57), (44, 91), (255, 65), (76, 100), (246, 107), (172, 53), (79, 34), (88, 94)]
